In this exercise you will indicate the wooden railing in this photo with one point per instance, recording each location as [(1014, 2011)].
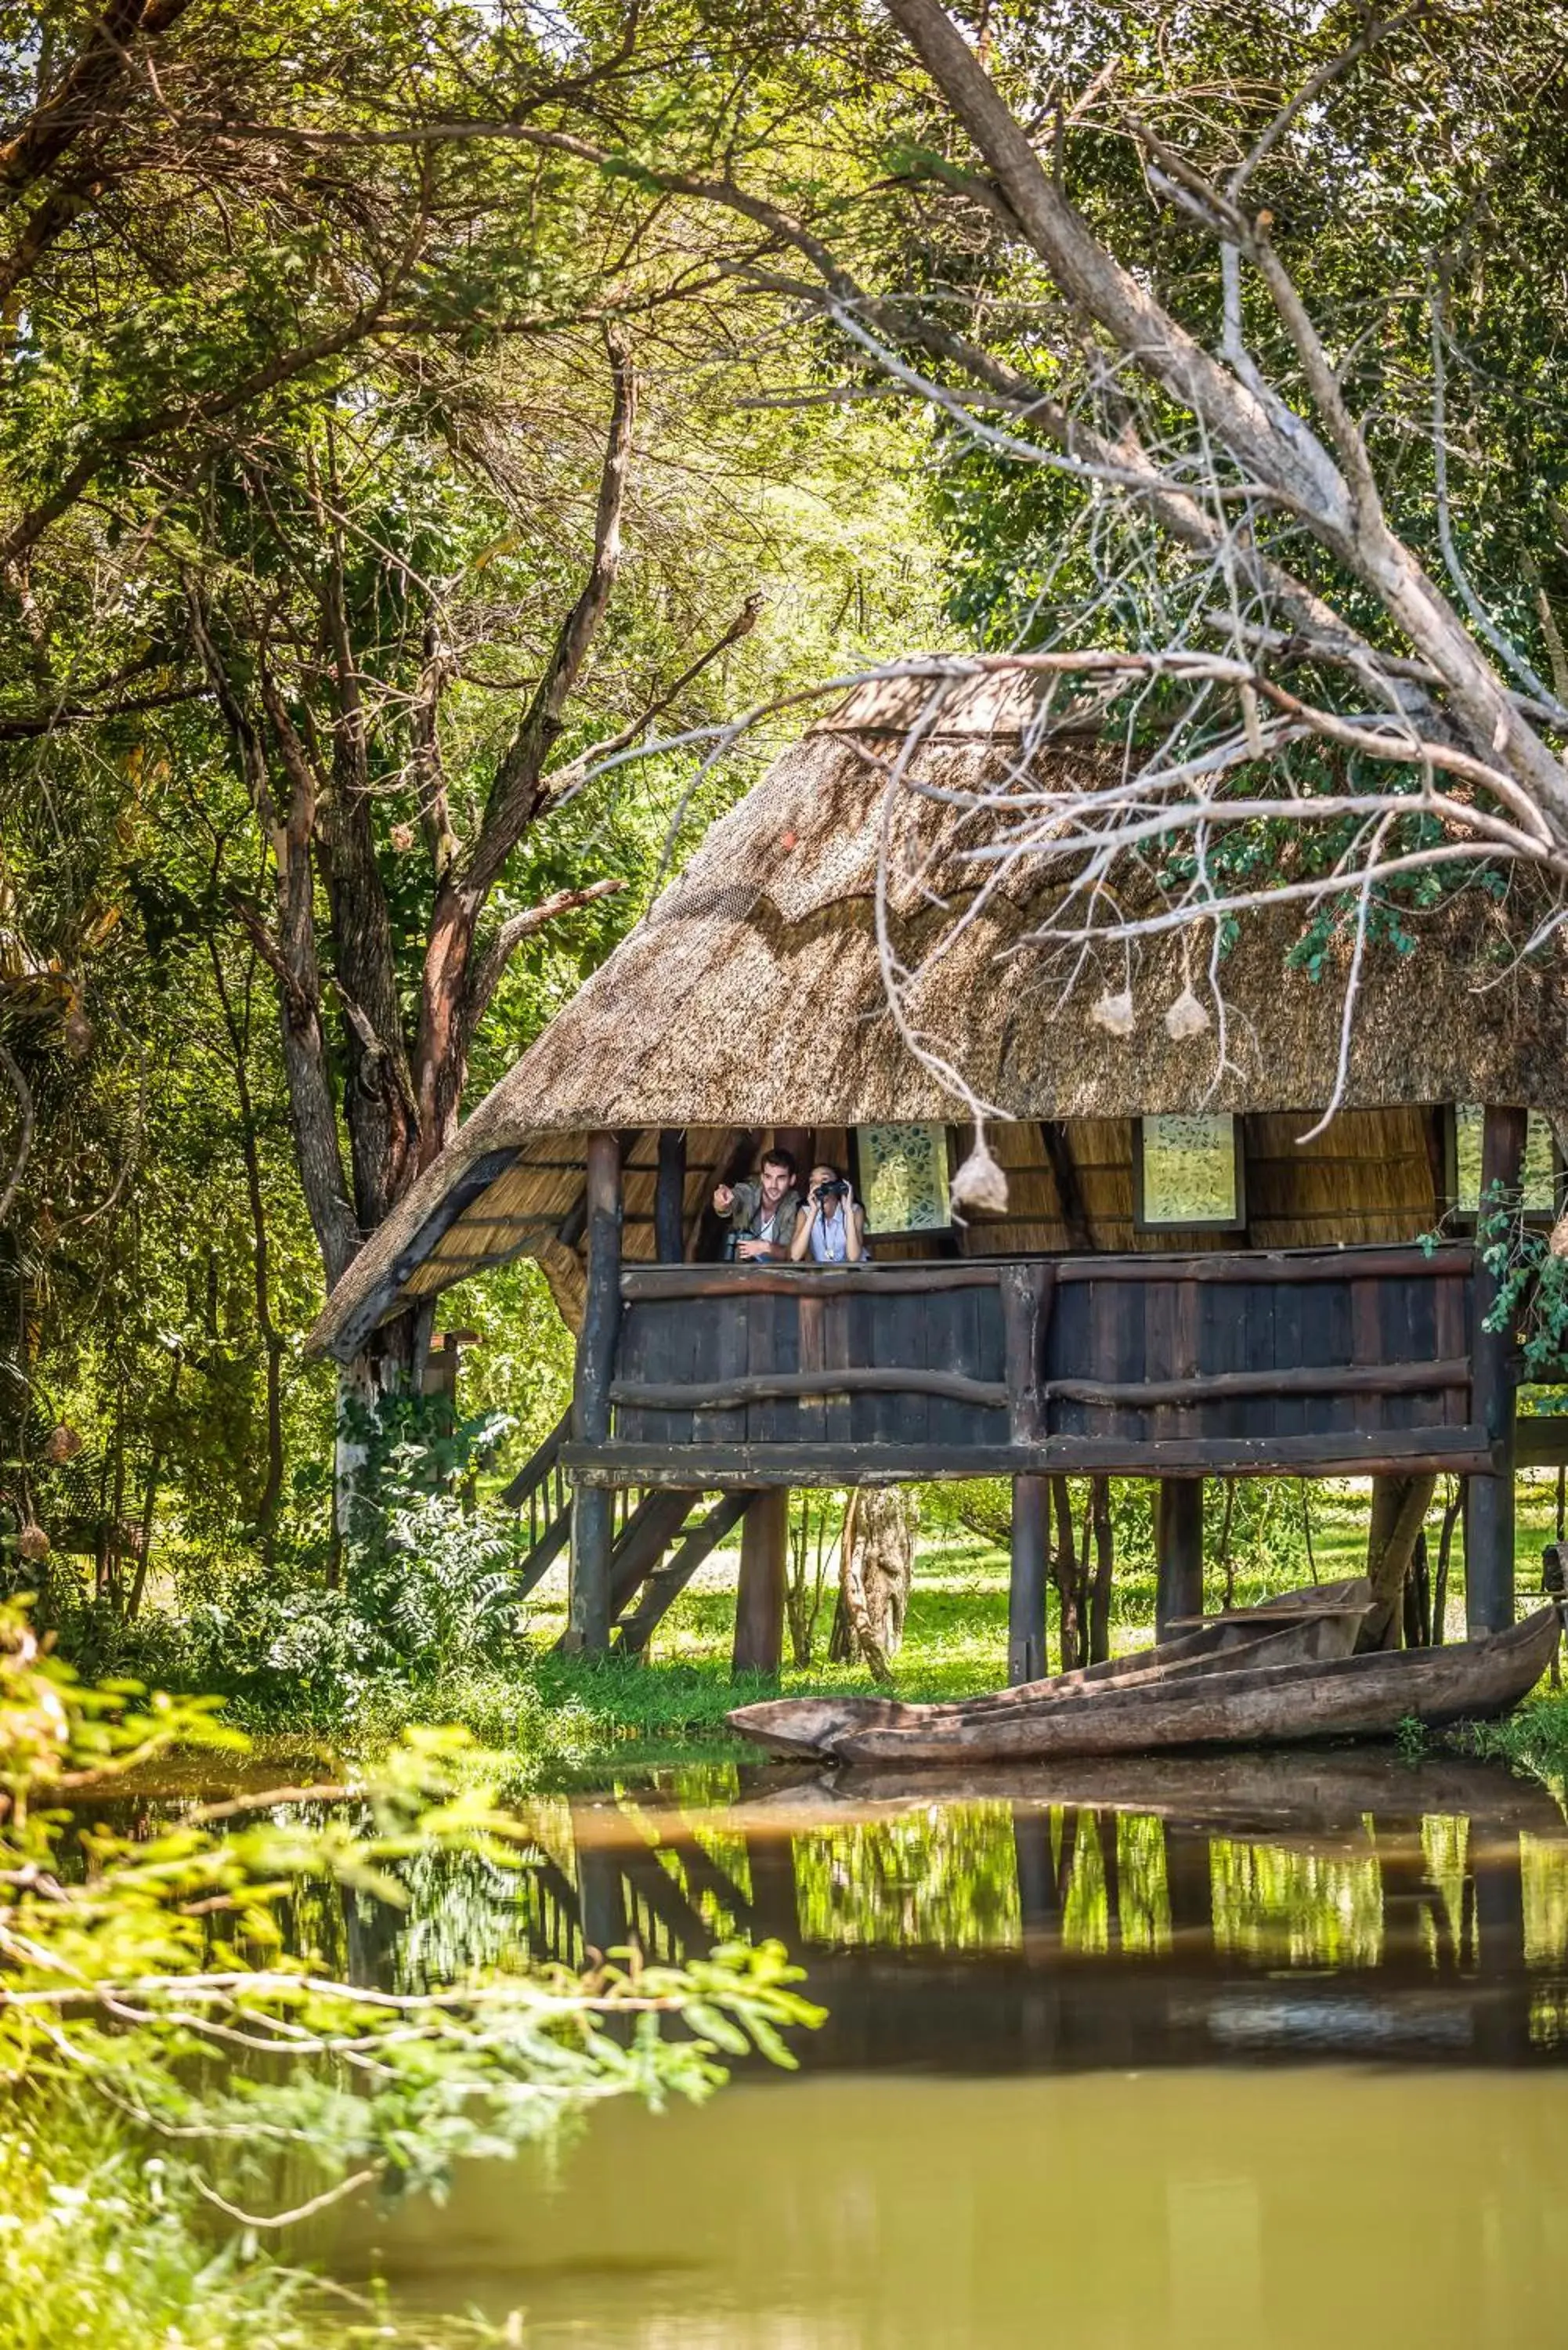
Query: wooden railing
[(540, 1488), (1307, 1360)]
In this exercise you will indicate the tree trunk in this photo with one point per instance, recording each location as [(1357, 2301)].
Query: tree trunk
[(1065, 1576), (1399, 1506), (1104, 1569), (876, 1561), (441, 1049)]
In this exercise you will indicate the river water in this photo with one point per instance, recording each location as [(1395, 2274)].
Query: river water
[(1252, 2050)]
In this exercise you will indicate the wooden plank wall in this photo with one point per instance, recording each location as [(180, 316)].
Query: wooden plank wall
[(1304, 1348), (710, 1341), (1132, 1331)]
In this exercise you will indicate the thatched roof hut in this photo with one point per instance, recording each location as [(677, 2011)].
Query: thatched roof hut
[(750, 999)]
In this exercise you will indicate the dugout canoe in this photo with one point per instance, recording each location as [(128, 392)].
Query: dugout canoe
[(1315, 1622), (1273, 1705)]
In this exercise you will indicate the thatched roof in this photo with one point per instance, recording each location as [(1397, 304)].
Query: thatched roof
[(750, 996)]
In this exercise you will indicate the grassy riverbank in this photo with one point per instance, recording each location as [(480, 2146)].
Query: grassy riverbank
[(563, 1721), (578, 1718)]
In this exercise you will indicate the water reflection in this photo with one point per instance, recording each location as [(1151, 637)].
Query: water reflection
[(1258, 1907), (1238, 1907)]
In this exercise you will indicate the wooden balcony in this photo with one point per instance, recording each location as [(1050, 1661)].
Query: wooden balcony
[(1309, 1362)]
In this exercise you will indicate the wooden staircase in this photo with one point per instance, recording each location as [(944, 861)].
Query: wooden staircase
[(644, 1581)]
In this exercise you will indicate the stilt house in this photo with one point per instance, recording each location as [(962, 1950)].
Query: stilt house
[(1177, 1286)]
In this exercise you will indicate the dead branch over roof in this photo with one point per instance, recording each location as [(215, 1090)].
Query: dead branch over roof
[(750, 996)]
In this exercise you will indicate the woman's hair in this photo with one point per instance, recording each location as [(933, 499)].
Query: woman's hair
[(826, 1167)]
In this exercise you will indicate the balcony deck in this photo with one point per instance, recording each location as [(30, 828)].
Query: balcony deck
[(1308, 1362)]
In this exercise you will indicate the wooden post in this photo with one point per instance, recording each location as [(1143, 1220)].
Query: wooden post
[(1179, 1551), (1026, 1658), (670, 1196), (764, 1530), (1188, 1883), (1057, 1140), (588, 1603), (1489, 1513), (760, 1596)]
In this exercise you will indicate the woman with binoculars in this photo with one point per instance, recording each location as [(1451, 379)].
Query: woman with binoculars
[(832, 1229)]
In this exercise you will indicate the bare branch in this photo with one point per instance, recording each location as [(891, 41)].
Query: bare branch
[(518, 787)]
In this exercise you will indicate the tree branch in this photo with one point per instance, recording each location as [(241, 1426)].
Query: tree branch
[(292, 958), (30, 526), (80, 713), (566, 782), (517, 790), (99, 67), (486, 977)]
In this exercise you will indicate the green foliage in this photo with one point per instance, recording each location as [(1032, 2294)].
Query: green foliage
[(168, 1982), (234, 335), (1532, 1300), (1533, 1738)]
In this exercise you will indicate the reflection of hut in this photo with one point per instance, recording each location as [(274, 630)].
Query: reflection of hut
[(1175, 1286)]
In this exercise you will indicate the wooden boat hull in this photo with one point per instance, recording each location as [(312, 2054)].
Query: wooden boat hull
[(1345, 1696), (1326, 1621)]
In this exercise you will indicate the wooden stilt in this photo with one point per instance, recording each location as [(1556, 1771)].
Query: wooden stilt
[(670, 1196), (775, 1903), (1179, 1551), (588, 1603), (1188, 1880), (1489, 1500), (1039, 1905), (601, 1899), (1026, 1658), (760, 1596)]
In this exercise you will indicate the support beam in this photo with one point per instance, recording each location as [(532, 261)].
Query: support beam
[(1058, 1148), (800, 1141), (655, 1523), (760, 1596), (1489, 1513), (1179, 1551), (1027, 1657), (670, 1196), (589, 1606)]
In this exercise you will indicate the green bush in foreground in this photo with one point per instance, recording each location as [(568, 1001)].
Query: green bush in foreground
[(165, 2054)]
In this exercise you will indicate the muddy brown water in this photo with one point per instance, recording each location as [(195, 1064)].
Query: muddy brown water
[(1257, 2051)]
